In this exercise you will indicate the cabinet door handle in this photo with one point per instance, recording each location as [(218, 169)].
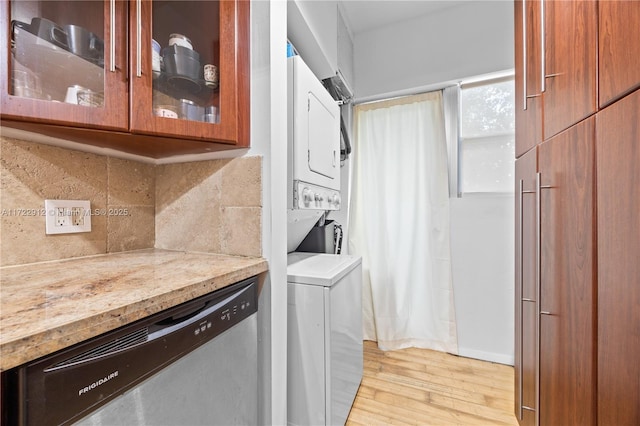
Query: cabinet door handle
[(521, 261), (539, 188), (524, 58), (538, 288), (138, 38), (112, 35), (521, 193), (543, 49)]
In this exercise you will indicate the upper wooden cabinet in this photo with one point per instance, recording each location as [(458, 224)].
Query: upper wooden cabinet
[(154, 78), (55, 45), (570, 31), (619, 49), (583, 50), (528, 77)]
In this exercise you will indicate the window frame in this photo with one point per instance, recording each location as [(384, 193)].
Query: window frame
[(454, 132)]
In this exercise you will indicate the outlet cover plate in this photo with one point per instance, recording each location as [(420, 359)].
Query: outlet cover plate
[(67, 216)]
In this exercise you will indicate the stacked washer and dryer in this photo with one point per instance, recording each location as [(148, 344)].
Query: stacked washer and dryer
[(324, 290)]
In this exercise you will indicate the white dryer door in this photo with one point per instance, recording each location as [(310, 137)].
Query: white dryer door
[(314, 135), (323, 144)]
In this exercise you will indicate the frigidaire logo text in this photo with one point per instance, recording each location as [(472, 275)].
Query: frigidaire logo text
[(97, 383)]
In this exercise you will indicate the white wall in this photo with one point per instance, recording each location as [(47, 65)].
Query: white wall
[(482, 247), (464, 41), (269, 140), (467, 40)]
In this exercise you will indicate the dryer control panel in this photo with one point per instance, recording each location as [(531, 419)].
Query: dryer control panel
[(308, 196)]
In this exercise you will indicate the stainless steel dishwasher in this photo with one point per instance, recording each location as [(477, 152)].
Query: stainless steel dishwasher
[(194, 364)]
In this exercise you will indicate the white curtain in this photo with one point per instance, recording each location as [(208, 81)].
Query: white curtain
[(399, 223)]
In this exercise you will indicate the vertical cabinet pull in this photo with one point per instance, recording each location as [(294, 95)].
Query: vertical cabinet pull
[(526, 96), (521, 261), (538, 288), (112, 35), (539, 188), (538, 284), (138, 38), (523, 299)]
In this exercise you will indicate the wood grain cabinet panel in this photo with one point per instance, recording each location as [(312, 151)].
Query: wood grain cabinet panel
[(619, 49), (568, 288), (618, 171), (571, 35)]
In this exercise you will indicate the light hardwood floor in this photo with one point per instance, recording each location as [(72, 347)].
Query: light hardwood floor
[(422, 387)]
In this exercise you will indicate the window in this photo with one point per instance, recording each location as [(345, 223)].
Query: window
[(487, 137)]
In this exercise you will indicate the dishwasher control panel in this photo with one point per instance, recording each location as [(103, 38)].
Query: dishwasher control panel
[(231, 313), (217, 318)]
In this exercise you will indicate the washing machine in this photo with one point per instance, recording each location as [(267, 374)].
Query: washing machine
[(324, 337)]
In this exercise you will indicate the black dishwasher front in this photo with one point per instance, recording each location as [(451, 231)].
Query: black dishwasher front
[(64, 387)]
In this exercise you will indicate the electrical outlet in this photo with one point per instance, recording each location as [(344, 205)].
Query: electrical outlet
[(60, 216), (77, 216), (67, 216)]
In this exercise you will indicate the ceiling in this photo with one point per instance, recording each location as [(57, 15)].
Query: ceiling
[(364, 15)]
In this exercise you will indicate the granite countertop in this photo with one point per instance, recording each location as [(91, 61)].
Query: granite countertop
[(45, 307)]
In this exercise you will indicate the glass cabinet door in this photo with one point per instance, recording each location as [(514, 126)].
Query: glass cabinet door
[(184, 68), (65, 62)]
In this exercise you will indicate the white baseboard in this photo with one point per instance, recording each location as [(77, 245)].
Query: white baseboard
[(486, 356)]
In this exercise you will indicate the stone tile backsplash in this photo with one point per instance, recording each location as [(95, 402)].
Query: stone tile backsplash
[(208, 206)]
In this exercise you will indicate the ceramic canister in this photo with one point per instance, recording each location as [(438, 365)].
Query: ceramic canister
[(180, 40)]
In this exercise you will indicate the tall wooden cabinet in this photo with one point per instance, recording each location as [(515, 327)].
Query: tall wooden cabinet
[(555, 280), (618, 154), (567, 277), (577, 214)]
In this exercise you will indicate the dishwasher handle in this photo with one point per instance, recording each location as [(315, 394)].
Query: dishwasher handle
[(183, 315), (163, 328)]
